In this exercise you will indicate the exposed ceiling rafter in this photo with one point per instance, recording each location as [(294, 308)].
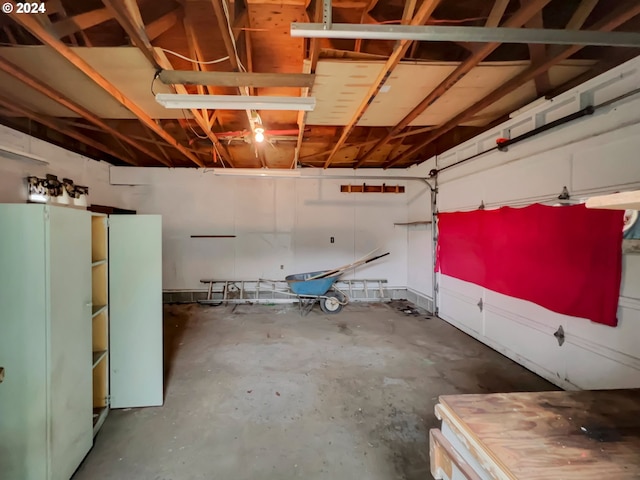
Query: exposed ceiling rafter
[(80, 22), (612, 21)]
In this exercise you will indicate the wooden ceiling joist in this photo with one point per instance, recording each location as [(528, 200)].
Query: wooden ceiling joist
[(528, 10), (612, 21), (229, 44), (423, 14), (80, 22), (410, 133), (227, 38), (60, 128), (537, 54), (37, 30), (236, 79), (308, 67), (128, 15), (61, 99), (164, 23)]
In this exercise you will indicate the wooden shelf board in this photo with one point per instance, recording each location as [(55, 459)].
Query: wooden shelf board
[(99, 262), (616, 201), (99, 416), (98, 357), (421, 222), (97, 310)]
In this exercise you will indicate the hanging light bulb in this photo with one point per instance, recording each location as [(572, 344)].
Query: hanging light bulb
[(259, 134)]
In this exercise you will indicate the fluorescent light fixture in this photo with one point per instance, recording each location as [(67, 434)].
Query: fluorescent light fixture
[(235, 102), (256, 172), (13, 154), (466, 34)]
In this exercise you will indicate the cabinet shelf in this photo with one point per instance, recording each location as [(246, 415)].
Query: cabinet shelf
[(97, 310), (99, 416), (98, 357), (98, 263)]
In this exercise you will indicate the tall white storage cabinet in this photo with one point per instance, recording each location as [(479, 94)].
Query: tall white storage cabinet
[(80, 331), (45, 341)]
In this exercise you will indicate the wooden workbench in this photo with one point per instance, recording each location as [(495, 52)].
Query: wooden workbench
[(587, 435)]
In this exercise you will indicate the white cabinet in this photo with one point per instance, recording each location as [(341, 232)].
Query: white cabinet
[(135, 304), (45, 341), (69, 346)]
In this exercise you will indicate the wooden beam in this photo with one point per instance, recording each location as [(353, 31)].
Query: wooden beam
[(610, 22), (158, 145), (82, 21), (423, 14), (128, 16), (227, 38), (239, 23), (236, 79), (581, 14), (229, 44), (127, 13), (57, 126), (410, 133), (66, 102), (164, 23), (528, 9), (537, 54), (29, 23), (314, 43)]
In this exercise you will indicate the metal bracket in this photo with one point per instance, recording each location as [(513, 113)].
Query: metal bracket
[(565, 195), (559, 335), (480, 304), (326, 15)]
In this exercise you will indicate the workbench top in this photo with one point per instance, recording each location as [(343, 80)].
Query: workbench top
[(581, 435)]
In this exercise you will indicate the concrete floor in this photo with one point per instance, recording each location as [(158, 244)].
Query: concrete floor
[(258, 392)]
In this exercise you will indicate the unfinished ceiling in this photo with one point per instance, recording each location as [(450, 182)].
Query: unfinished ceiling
[(83, 75)]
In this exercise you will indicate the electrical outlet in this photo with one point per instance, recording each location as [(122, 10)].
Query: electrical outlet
[(333, 240)]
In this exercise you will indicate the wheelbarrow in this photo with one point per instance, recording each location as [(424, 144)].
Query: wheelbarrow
[(321, 290)]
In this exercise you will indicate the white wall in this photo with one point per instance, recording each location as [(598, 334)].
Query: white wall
[(596, 154), (282, 225), (62, 163)]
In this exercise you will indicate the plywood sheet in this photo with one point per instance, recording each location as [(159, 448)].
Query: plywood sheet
[(125, 67), (584, 435), (339, 89), (274, 51), (471, 88), (342, 85), (403, 90)]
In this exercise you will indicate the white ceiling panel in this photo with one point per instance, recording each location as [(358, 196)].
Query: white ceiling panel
[(125, 67)]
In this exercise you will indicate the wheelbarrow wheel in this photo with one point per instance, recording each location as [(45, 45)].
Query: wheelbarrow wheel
[(332, 304)]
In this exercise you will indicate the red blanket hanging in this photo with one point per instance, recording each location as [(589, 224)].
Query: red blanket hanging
[(566, 259)]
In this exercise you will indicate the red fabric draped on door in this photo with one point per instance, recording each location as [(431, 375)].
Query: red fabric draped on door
[(566, 259)]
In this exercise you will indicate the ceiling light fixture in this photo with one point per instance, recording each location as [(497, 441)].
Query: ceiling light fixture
[(466, 34), (259, 134), (235, 102)]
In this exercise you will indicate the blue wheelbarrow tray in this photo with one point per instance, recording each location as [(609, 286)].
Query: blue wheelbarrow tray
[(301, 286)]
